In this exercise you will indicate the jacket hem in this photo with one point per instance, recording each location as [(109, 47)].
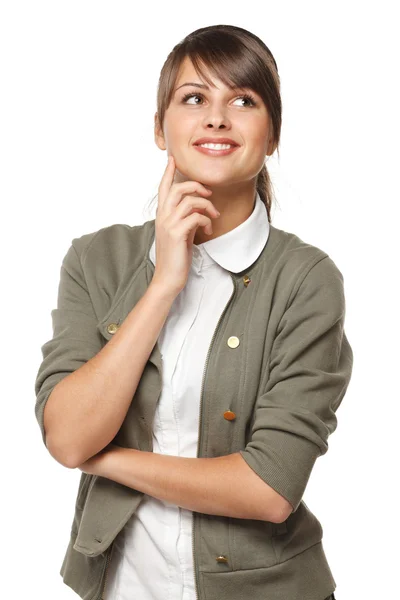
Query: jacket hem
[(306, 575), (88, 587)]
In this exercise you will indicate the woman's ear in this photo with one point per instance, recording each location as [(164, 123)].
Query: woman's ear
[(158, 134), (272, 145)]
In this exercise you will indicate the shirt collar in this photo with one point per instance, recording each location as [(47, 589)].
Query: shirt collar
[(237, 249)]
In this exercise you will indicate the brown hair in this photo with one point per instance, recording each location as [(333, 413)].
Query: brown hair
[(240, 59)]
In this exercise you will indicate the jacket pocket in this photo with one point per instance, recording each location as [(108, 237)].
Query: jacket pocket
[(251, 543), (297, 533), (85, 484), (83, 490)]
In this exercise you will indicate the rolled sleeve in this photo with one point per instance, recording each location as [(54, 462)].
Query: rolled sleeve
[(310, 369), (76, 338)]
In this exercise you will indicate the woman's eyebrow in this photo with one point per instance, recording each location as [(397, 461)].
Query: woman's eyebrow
[(205, 87), (199, 85)]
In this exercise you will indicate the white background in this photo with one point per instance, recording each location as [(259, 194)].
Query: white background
[(78, 96)]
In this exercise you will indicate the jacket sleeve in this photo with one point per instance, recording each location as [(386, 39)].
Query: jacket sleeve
[(76, 338), (310, 369)]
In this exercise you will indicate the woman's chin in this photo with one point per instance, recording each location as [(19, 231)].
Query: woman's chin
[(210, 180)]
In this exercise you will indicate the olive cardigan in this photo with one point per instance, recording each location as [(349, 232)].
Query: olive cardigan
[(284, 381)]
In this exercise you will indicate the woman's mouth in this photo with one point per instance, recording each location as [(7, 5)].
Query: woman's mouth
[(216, 149)]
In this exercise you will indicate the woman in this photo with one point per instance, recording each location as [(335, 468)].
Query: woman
[(198, 360)]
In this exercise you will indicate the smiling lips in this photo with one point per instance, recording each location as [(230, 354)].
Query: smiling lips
[(212, 152), (216, 149), (216, 146)]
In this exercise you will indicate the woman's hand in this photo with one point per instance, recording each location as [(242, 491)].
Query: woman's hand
[(178, 215)]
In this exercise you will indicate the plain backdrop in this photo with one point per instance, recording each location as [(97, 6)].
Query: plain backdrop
[(78, 96)]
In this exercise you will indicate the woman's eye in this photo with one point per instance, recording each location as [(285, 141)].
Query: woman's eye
[(188, 96), (248, 99), (245, 97)]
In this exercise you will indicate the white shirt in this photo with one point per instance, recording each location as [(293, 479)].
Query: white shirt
[(152, 558)]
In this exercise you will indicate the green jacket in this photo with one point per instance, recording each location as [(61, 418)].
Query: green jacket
[(284, 382)]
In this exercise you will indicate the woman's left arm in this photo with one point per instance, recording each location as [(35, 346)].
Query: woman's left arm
[(206, 485)]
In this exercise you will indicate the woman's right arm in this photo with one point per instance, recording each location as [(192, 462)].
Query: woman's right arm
[(86, 408)]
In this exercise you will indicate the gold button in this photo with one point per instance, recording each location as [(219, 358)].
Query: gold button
[(112, 327), (229, 415), (221, 559), (233, 341), (246, 280)]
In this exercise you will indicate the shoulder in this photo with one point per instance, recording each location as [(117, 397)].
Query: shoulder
[(304, 268), (118, 243), (303, 258)]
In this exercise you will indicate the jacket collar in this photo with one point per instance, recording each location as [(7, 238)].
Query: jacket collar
[(142, 273), (235, 250)]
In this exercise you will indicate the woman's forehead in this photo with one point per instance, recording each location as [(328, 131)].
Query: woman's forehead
[(187, 75)]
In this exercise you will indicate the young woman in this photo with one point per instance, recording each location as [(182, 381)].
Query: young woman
[(198, 360)]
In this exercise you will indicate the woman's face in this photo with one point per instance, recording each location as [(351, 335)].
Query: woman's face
[(214, 112)]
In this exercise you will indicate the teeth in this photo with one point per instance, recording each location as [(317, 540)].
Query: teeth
[(216, 146)]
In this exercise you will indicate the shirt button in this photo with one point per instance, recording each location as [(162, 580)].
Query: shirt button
[(233, 341), (221, 559), (229, 415), (112, 327)]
